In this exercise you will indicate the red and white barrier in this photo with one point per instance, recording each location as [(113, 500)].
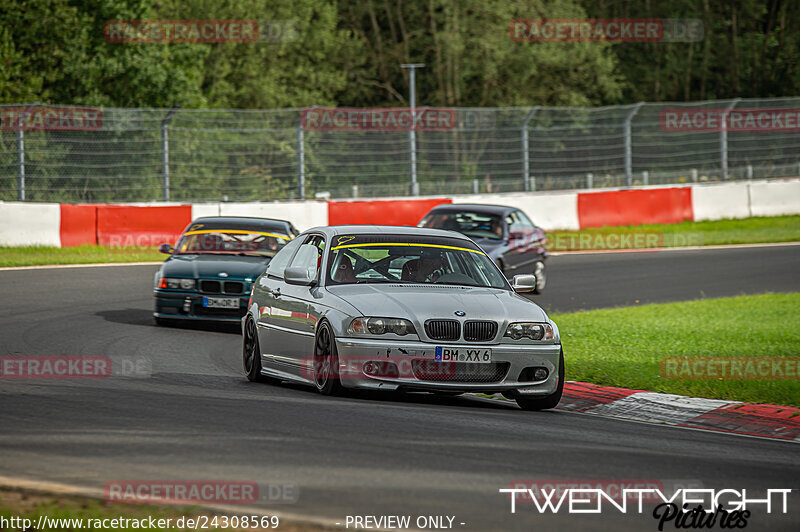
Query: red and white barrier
[(29, 224), (50, 224), (719, 201)]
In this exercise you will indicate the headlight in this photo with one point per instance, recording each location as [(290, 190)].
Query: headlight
[(185, 284), (397, 326), (532, 331)]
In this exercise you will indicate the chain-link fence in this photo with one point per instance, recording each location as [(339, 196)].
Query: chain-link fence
[(68, 154)]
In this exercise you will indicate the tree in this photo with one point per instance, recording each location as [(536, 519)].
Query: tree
[(54, 51), (302, 57), (471, 59)]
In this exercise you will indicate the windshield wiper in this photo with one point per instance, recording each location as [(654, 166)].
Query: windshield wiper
[(368, 281)]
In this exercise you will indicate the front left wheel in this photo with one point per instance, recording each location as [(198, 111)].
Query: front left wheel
[(326, 361)]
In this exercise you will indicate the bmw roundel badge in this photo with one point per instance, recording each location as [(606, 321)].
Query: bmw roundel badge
[(460, 313)]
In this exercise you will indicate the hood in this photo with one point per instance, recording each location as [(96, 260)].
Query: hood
[(419, 303), (209, 266)]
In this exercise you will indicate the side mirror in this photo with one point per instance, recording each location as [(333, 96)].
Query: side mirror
[(523, 283), (166, 248), (297, 276)]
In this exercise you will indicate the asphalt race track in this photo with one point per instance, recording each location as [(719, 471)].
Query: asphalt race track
[(197, 417)]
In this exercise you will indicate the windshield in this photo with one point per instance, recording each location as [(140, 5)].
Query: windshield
[(414, 260), (230, 242), (472, 224)]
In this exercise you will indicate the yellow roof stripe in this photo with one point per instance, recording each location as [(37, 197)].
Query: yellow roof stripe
[(410, 245), (235, 232)]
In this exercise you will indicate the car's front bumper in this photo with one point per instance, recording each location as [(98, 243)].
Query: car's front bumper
[(354, 353), (187, 305)]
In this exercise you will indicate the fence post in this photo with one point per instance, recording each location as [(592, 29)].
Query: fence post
[(749, 171), (412, 133), (20, 160), (301, 163), (693, 173), (526, 149), (589, 180), (723, 140), (355, 191), (629, 144), (165, 151), (21, 151), (645, 177)]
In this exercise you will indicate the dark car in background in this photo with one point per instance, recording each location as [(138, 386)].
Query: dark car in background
[(506, 234), (212, 267)]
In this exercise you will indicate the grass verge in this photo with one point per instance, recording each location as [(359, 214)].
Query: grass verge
[(38, 255), (747, 231), (22, 505), (770, 229), (625, 346)]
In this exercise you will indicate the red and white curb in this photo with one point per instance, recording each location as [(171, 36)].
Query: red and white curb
[(766, 421)]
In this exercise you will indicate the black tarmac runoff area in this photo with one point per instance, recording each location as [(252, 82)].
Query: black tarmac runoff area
[(194, 416)]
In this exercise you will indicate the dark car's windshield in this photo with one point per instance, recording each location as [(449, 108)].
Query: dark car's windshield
[(472, 224), (230, 242), (410, 259)]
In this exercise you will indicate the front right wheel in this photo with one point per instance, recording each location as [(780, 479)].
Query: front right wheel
[(251, 353), (541, 277), (548, 401)]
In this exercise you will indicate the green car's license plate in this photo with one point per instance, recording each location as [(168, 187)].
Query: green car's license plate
[(221, 302)]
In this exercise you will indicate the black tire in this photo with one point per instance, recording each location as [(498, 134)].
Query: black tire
[(540, 272), (326, 361), (251, 353), (548, 401)]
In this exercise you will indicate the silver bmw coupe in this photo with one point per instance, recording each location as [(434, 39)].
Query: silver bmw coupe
[(402, 309)]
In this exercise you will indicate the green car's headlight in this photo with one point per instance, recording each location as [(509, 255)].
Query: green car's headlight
[(185, 284), (532, 331), (396, 326)]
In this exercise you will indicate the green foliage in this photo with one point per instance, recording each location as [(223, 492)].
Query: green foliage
[(471, 59), (56, 53), (337, 52), (749, 50)]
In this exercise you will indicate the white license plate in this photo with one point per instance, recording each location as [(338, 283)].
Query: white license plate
[(221, 302), (477, 355)]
